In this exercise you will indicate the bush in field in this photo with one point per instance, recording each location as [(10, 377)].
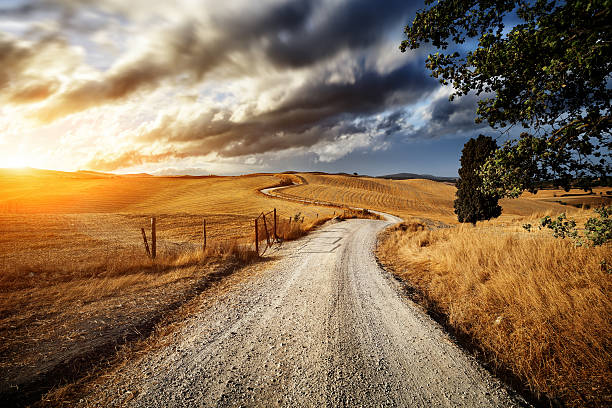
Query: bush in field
[(562, 227), (599, 230)]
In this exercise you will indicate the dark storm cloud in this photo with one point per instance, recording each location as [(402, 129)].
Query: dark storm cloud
[(448, 118), (333, 48), (393, 123), (317, 111), (184, 50), (350, 25)]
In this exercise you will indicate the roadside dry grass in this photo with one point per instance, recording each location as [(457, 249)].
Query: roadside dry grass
[(295, 227), (163, 334), (537, 307)]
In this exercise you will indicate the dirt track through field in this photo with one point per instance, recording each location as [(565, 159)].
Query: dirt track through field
[(323, 326)]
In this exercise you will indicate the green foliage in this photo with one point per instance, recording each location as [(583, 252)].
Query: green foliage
[(562, 227), (527, 227), (599, 230), (473, 205), (549, 73)]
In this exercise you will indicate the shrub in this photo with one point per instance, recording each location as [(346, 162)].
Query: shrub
[(599, 230), (562, 227)]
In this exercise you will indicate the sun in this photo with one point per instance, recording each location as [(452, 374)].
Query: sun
[(15, 161)]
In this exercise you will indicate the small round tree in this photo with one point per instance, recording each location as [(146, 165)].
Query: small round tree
[(472, 204)]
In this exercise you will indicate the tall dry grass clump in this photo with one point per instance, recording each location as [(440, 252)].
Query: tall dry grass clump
[(87, 308), (298, 226), (537, 306), (121, 263)]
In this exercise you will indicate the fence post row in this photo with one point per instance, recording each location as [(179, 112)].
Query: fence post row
[(152, 250), (153, 239), (144, 238)]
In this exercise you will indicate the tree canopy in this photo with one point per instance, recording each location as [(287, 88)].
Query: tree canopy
[(472, 204), (541, 65)]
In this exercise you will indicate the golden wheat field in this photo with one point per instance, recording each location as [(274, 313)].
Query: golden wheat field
[(417, 198)]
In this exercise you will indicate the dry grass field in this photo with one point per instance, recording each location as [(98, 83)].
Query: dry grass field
[(74, 276), (538, 307)]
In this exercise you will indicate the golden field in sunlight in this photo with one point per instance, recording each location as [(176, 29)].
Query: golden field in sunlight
[(536, 306), (74, 275)]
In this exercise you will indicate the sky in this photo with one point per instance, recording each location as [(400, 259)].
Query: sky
[(223, 87)]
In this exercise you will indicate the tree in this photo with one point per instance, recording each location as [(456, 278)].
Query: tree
[(549, 72), (472, 204)]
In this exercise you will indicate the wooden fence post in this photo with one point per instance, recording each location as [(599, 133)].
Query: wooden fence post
[(204, 235), (144, 237), (153, 238), (256, 238), (266, 229), (275, 237)]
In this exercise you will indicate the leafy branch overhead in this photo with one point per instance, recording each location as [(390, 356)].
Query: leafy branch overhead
[(542, 65)]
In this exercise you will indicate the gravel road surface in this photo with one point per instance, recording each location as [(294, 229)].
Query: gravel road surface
[(323, 326)]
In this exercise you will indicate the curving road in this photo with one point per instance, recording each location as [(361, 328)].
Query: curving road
[(324, 326)]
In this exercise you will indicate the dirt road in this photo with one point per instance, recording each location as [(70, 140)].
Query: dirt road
[(324, 326)]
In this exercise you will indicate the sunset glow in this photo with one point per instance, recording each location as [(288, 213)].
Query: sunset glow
[(17, 161)]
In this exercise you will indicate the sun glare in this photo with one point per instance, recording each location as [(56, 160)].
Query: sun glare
[(15, 162)]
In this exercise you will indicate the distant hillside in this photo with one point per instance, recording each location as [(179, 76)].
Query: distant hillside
[(407, 176)]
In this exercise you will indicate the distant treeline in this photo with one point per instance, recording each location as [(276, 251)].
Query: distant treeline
[(407, 176)]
